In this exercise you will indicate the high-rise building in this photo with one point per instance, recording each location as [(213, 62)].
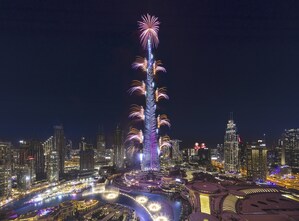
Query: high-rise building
[(282, 153), (5, 169), (204, 156), (118, 148), (23, 177), (53, 167), (231, 148), (14, 160), (59, 146), (51, 160), (275, 155), (176, 154), (101, 144), (86, 156), (150, 161), (69, 148), (220, 152), (23, 159), (257, 168), (47, 147), (290, 148), (242, 155), (36, 159)]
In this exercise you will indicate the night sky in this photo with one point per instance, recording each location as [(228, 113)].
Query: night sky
[(69, 62)]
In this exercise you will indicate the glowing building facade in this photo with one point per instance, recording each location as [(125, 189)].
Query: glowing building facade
[(86, 156), (51, 160), (101, 145), (290, 148), (59, 146), (175, 150), (118, 148), (33, 156), (47, 147), (5, 169), (23, 177), (257, 161), (231, 148), (149, 27)]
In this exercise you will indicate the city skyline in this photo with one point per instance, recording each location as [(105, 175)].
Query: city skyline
[(71, 66), (163, 154)]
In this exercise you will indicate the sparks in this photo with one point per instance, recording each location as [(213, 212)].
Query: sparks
[(149, 27), (135, 134), (131, 150), (157, 67), (137, 112), (163, 120), (164, 142), (138, 87), (161, 94), (140, 63)]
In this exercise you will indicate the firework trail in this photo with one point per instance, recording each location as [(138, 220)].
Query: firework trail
[(161, 94)]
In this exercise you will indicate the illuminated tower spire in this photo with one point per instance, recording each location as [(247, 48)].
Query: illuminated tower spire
[(149, 27)]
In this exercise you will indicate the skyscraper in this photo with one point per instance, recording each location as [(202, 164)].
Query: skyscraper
[(47, 147), (231, 148), (290, 148), (23, 177), (5, 169), (59, 146), (86, 156), (204, 156), (175, 150), (26, 162), (257, 161), (149, 27), (36, 154), (53, 167), (101, 144), (220, 152), (118, 148), (51, 160)]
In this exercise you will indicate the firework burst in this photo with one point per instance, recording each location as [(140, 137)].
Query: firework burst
[(161, 94), (149, 27), (138, 87), (140, 63), (131, 150), (137, 112), (163, 120), (164, 142), (157, 67), (135, 134)]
